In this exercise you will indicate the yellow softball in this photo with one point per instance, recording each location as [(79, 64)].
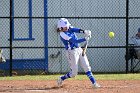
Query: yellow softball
[(111, 34)]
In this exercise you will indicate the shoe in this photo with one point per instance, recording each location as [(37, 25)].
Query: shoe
[(59, 82), (96, 85)]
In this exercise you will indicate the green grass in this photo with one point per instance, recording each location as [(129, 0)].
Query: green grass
[(119, 77), (78, 77)]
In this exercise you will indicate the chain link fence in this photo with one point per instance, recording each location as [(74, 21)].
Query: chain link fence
[(28, 29)]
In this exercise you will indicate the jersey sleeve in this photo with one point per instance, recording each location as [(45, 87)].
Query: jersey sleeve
[(73, 40), (76, 30), (77, 40), (64, 36)]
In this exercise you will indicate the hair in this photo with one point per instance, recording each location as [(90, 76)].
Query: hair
[(59, 29)]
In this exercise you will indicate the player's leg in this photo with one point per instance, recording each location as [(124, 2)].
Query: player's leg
[(73, 59), (86, 66)]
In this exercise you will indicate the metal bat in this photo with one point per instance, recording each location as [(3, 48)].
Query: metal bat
[(85, 48)]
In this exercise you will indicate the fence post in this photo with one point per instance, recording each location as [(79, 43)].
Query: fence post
[(11, 23), (127, 32)]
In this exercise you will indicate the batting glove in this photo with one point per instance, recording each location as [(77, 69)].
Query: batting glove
[(88, 37), (87, 32)]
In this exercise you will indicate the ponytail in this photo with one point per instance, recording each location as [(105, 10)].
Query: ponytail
[(58, 30)]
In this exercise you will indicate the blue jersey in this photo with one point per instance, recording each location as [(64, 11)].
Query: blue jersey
[(70, 39)]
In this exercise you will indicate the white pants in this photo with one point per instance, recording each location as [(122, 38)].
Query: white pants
[(74, 57)]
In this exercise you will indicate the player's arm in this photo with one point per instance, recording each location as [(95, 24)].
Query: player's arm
[(77, 41), (77, 30), (73, 40)]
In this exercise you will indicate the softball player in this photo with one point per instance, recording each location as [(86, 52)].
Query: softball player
[(136, 41), (74, 51)]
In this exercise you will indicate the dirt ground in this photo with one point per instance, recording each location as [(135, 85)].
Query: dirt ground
[(69, 86)]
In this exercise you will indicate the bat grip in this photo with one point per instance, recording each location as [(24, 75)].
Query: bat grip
[(83, 53)]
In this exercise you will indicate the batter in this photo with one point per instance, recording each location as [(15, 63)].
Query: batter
[(74, 51)]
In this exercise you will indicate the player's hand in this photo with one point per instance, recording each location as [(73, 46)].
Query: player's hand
[(88, 37), (87, 32)]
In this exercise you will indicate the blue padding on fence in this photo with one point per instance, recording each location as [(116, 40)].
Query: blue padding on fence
[(46, 34), (24, 64)]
